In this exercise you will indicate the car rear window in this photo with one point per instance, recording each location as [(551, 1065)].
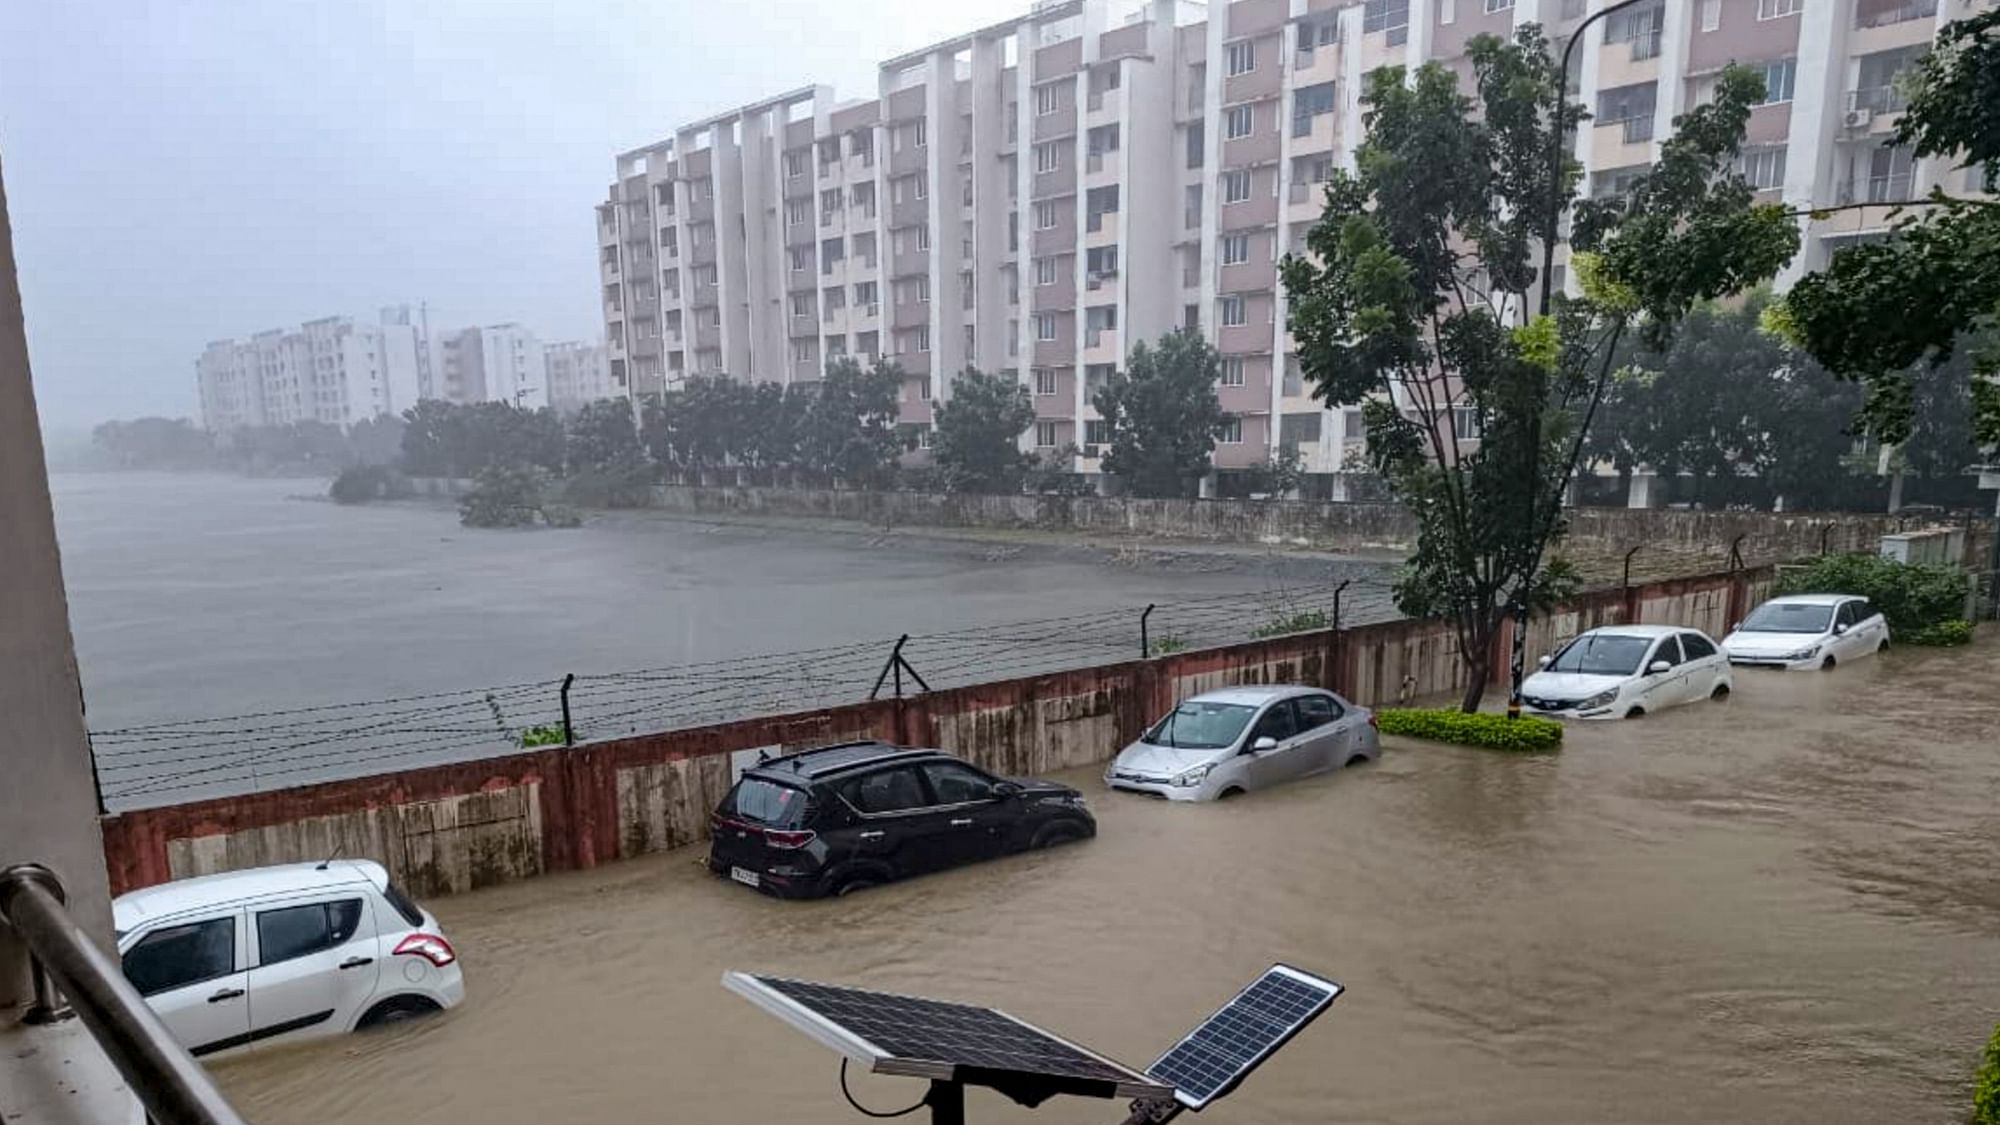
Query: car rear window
[(409, 910), (767, 802)]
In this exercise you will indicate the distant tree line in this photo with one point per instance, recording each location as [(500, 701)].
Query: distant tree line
[(294, 448)]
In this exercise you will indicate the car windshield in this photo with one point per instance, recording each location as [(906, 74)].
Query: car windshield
[(1602, 654), (1787, 617), (1201, 725)]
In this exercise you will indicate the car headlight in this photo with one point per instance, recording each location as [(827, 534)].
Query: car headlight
[(1193, 777), (1802, 654), (1601, 699)]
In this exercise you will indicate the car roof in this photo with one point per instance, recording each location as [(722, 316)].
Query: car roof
[(1253, 695), (821, 761), (1638, 630), (1813, 599), (206, 892)]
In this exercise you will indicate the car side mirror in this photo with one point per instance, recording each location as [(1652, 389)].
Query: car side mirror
[(1735, 625), (1263, 744), (1839, 629), (1657, 667), (1008, 790), (1542, 661)]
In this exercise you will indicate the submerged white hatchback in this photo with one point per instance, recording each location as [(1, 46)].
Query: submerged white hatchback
[(1222, 743), (283, 953), (1804, 632), (1622, 671)]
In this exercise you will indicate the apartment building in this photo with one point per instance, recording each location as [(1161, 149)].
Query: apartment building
[(578, 375), (496, 363), (1039, 195), (335, 370)]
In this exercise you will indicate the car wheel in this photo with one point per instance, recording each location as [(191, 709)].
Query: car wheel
[(1358, 759), (1055, 833), (1884, 646), (396, 1009), (1228, 793), (1721, 692), (1636, 713), (852, 884), (1828, 664)]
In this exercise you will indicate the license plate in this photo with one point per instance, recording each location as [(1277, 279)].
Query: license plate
[(743, 876)]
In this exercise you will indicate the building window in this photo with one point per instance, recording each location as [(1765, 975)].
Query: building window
[(1195, 144), (1764, 168), (920, 132), (923, 238), (1711, 15), (1232, 312), (1779, 76), (924, 387), (802, 352), (1045, 381), (1045, 435), (1232, 430), (1232, 371), (1242, 56), (1046, 213), (1235, 249), (1239, 121), (1493, 6), (1235, 186), (1778, 9), (1385, 15), (795, 164), (1045, 271), (1045, 326), (1046, 99), (923, 335), (802, 305), (921, 185), (1048, 157)]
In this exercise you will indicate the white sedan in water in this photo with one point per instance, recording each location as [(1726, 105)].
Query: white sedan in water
[(1622, 671), (1805, 632)]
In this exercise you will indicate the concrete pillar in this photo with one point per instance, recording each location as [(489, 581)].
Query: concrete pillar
[(1643, 492), (48, 795)]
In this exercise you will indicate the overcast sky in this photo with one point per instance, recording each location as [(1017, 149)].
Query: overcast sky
[(184, 170)]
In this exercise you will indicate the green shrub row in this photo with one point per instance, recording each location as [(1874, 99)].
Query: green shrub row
[(1912, 596), (1943, 634), (1494, 732), (1986, 1095)]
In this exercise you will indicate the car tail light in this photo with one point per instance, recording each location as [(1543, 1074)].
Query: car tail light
[(778, 839), (1373, 721), (430, 947)]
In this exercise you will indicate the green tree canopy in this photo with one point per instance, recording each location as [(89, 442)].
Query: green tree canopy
[(977, 442), (848, 429), (602, 434), (1163, 415), (1413, 303)]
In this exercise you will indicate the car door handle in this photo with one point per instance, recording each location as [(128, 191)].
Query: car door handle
[(962, 822), (357, 962), (871, 835), (225, 994)]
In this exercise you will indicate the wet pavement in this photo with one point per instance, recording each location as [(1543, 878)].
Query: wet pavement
[(1778, 908)]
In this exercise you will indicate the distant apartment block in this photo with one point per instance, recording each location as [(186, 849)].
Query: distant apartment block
[(497, 363), (334, 370), (577, 375), (1038, 195)]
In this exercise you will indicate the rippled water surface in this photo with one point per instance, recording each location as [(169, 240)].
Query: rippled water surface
[(1781, 908)]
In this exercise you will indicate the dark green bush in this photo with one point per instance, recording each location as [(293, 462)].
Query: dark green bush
[(1913, 596), (1944, 634), (1986, 1095), (502, 497), (1494, 732), (547, 734), (358, 484), (1302, 621), (624, 483)]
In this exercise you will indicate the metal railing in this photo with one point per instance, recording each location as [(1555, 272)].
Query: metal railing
[(172, 1086), (1864, 17), (1878, 99)]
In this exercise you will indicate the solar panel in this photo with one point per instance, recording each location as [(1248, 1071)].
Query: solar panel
[(1242, 1034), (916, 1037)]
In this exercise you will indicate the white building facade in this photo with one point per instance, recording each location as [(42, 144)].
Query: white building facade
[(578, 375), (334, 370)]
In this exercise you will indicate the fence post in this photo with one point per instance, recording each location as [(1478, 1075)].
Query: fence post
[(1331, 675), (1145, 643), (1631, 600), (569, 732)]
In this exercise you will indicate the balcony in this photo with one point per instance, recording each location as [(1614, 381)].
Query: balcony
[(1637, 130), (1878, 99), (1094, 162), (1883, 15), (1646, 46)]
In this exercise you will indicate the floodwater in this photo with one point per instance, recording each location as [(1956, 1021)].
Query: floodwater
[(195, 597), (1777, 908)]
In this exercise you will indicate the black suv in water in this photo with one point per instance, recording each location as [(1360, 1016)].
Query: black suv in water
[(841, 818)]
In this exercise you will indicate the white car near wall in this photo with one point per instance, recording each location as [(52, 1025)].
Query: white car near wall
[(1623, 671), (1807, 632)]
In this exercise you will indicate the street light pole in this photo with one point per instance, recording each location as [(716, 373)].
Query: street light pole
[(1550, 231)]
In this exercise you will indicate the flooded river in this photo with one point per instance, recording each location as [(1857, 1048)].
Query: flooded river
[(1781, 908)]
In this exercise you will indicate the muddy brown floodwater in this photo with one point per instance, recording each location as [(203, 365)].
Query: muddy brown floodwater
[(1780, 908)]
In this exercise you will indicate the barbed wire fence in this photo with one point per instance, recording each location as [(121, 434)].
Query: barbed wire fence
[(167, 762)]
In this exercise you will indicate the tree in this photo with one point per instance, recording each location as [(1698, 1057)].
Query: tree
[(461, 440), (1413, 303), (155, 443), (1163, 415), (377, 440), (977, 433), (848, 430), (1880, 308), (1280, 473), (602, 433)]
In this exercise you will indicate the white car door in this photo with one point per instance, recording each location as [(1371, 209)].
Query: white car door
[(191, 974), (1664, 689), (1704, 661), (317, 963), (1871, 626)]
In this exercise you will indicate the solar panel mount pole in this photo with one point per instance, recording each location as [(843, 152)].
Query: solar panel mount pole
[(1153, 1111), (947, 1102)]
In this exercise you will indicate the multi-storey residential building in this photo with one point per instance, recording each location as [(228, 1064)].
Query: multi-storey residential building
[(1038, 195), (497, 363), (332, 370), (578, 375)]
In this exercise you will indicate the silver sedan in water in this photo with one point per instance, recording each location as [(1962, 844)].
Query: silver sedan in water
[(1222, 743)]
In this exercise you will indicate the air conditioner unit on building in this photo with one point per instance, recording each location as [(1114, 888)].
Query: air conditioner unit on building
[(1857, 118)]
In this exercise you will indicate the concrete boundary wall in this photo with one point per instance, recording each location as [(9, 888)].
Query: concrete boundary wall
[(449, 828)]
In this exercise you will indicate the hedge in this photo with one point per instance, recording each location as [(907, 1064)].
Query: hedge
[(1943, 634), (1494, 732), (1986, 1096), (1914, 597)]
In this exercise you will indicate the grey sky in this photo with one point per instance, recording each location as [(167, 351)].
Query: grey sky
[(182, 170)]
